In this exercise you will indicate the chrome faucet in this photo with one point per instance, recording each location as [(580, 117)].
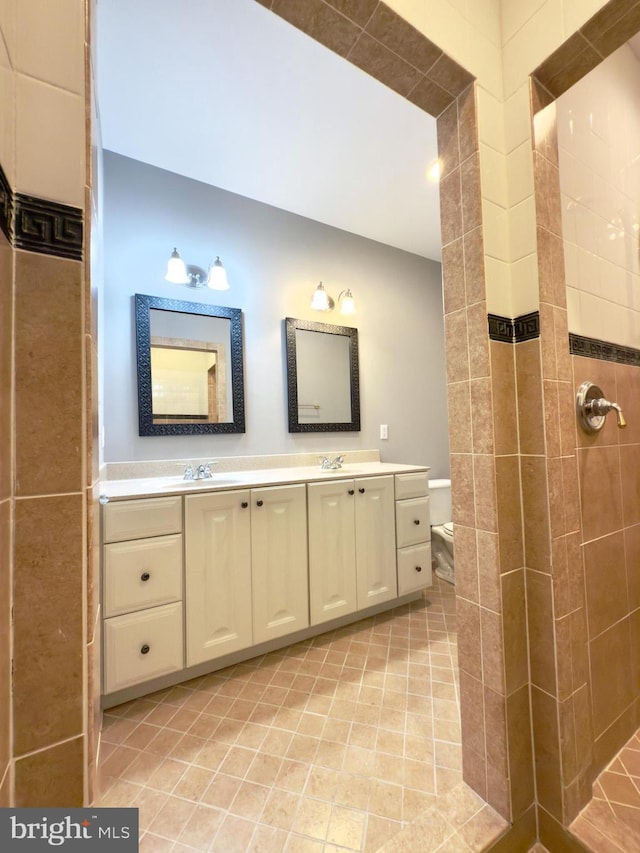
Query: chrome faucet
[(202, 472), (331, 464)]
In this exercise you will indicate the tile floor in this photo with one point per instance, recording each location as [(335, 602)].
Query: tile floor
[(611, 821), (339, 743)]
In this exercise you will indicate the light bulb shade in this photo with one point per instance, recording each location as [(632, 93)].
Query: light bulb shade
[(217, 279), (176, 269), (321, 300), (347, 302)]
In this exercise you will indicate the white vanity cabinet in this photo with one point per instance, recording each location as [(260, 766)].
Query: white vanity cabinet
[(245, 568), (217, 574), (204, 577), (279, 565), (413, 532), (142, 591), (351, 546)]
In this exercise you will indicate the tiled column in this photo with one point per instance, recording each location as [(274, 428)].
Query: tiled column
[(496, 740), (560, 697), (44, 295)]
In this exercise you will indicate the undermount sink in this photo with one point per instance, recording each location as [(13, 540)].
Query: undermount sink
[(207, 483)]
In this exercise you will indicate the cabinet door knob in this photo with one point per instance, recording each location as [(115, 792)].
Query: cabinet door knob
[(145, 576), (416, 521), (259, 503), (145, 649), (418, 568), (244, 504), (361, 491), (352, 491)]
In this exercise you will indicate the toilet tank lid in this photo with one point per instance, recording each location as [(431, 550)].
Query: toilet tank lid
[(439, 484)]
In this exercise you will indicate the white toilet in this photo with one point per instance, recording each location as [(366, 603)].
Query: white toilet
[(441, 529)]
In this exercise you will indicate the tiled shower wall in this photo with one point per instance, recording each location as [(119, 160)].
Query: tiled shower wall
[(599, 156), (46, 442), (582, 597)]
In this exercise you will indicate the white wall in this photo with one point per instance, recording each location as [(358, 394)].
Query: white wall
[(274, 261), (599, 155)]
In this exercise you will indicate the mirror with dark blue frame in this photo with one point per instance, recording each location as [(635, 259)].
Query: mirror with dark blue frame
[(190, 367)]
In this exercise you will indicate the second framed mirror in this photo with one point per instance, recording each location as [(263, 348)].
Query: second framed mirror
[(323, 378)]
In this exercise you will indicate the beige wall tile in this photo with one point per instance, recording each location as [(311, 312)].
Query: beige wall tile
[(38, 25), (632, 555), (611, 686), (459, 409), (5, 638), (453, 274), (605, 582), (541, 631), (52, 777), (7, 122), (466, 563), (482, 407), (514, 627), (629, 467), (50, 166), (462, 490), (492, 650), (489, 570), (504, 395), (520, 752), (48, 376), (535, 512), (48, 621), (509, 513), (6, 346), (478, 340), (546, 741), (495, 713), (456, 341), (600, 465), (530, 405), (484, 477)]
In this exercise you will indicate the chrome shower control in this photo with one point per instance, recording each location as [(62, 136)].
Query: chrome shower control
[(592, 408)]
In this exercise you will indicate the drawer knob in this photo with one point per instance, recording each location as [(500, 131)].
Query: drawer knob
[(145, 649), (418, 568), (145, 576), (259, 503), (244, 504), (361, 491), (352, 491), (416, 521)]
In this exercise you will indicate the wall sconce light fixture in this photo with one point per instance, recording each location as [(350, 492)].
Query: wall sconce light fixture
[(193, 276), (321, 301)]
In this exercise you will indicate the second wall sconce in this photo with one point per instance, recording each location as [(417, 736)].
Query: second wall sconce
[(321, 301), (193, 276)]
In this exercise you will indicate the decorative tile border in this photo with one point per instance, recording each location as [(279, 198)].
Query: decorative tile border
[(523, 328), (39, 225), (6, 200), (47, 227), (593, 348)]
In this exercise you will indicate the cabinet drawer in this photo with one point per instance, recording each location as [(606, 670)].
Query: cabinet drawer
[(414, 485), (141, 646), (144, 517), (414, 568), (412, 522), (142, 573)]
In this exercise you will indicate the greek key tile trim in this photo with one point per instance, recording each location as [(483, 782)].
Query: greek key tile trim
[(523, 328), (6, 203), (593, 348), (39, 225), (47, 227)]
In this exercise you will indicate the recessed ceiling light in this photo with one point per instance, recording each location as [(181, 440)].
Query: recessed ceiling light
[(433, 171)]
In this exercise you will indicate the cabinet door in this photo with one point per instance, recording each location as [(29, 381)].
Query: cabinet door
[(332, 550), (280, 586), (375, 541), (217, 574)]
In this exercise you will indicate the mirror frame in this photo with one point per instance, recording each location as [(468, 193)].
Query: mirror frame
[(143, 305), (291, 325)]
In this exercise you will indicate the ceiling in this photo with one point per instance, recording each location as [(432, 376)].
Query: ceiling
[(226, 92)]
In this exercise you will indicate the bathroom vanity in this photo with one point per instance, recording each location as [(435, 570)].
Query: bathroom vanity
[(199, 574)]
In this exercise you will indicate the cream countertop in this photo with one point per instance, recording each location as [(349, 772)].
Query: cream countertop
[(225, 481)]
